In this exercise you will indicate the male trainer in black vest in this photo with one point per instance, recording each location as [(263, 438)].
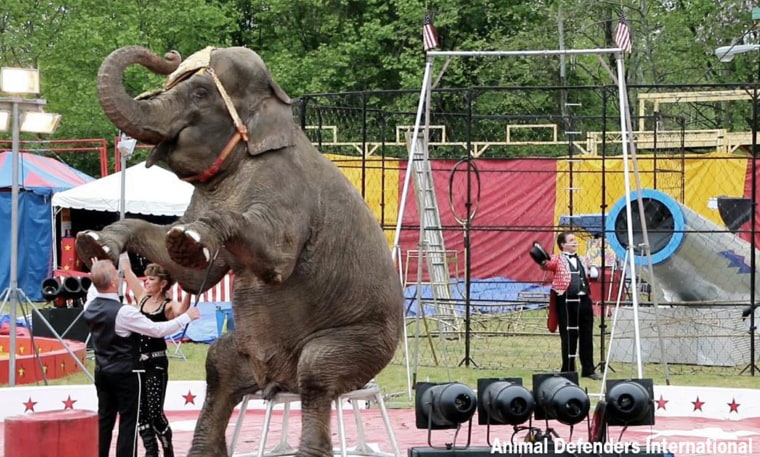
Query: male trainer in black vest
[(115, 328)]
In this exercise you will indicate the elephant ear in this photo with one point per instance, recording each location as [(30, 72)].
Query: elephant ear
[(271, 127)]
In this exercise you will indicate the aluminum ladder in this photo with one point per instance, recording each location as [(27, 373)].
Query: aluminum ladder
[(433, 248)]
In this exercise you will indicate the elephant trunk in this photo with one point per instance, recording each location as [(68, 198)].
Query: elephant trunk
[(140, 119)]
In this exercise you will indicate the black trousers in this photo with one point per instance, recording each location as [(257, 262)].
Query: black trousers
[(118, 393), (572, 312), (155, 381)]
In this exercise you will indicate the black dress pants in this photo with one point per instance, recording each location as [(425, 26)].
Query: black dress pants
[(576, 312), (117, 393), (155, 381)]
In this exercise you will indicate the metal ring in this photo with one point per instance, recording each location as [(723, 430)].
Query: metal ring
[(470, 166)]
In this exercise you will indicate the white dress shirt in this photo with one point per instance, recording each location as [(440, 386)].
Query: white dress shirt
[(129, 319)]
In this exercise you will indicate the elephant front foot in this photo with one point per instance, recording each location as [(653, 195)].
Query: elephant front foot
[(91, 245), (186, 249)]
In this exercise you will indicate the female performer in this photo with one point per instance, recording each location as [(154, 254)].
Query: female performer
[(154, 302)]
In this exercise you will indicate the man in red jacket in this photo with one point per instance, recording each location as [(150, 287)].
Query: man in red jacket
[(572, 298)]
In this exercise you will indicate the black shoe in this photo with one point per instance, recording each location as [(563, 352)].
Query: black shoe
[(593, 376)]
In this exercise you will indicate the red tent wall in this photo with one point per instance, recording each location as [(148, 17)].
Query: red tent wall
[(511, 193)]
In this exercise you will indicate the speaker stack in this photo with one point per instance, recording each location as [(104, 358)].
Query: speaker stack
[(67, 295)]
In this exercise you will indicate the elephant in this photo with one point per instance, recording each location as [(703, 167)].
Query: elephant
[(317, 300)]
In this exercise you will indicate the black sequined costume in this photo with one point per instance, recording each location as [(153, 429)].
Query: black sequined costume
[(153, 422)]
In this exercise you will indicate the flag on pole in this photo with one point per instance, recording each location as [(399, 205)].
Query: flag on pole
[(623, 35), (429, 35)]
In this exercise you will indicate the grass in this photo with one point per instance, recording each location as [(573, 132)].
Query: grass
[(193, 368), (393, 379), (507, 345)]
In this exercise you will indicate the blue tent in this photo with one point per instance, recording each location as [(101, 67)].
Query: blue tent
[(39, 177)]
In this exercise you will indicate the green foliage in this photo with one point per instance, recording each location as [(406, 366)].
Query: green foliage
[(338, 46), (68, 40)]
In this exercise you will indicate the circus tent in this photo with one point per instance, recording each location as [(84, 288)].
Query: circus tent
[(38, 178)]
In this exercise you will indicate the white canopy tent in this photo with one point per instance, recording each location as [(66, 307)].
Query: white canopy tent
[(154, 191), (151, 190)]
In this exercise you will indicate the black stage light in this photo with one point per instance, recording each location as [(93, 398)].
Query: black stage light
[(51, 288), (72, 288), (440, 406), (559, 397), (62, 291), (630, 402), (85, 283), (503, 401)]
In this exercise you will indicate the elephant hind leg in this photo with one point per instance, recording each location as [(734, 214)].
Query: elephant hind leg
[(330, 365), (227, 381)]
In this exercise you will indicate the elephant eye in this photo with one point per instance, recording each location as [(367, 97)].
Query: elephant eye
[(200, 93)]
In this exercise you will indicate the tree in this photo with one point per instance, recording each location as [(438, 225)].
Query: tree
[(339, 46), (68, 40)]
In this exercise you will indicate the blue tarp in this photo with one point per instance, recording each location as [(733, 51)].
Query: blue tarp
[(20, 320), (591, 223), (210, 325), (492, 295)]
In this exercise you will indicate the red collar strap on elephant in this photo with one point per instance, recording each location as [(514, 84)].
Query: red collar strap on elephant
[(217, 165), (240, 134)]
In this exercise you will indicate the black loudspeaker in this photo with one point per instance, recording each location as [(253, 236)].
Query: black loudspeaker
[(60, 319), (498, 450)]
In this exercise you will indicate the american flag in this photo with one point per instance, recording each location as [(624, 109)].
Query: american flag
[(429, 35), (623, 35)]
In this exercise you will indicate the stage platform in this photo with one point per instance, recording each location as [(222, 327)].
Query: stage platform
[(697, 421)]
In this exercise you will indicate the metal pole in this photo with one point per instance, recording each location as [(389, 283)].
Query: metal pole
[(125, 146), (626, 175), (122, 196), (396, 252), (13, 283), (543, 53), (467, 251), (412, 150), (753, 230), (603, 278)]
